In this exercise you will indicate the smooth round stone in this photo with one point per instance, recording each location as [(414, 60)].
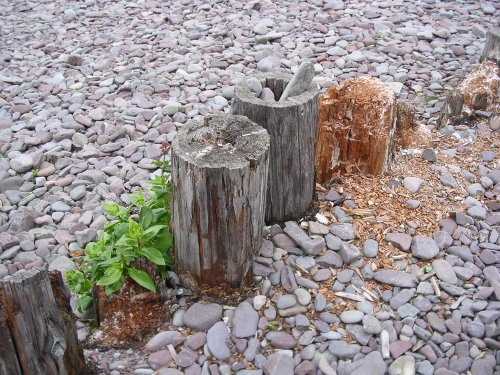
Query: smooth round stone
[(350, 317), (370, 248), (303, 296), (259, 302), (286, 301)]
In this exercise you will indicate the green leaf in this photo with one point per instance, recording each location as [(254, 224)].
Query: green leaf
[(111, 276), (126, 241), (120, 230), (84, 303), (110, 289), (142, 278), (137, 198), (112, 209), (145, 217), (134, 229), (153, 255), (154, 230), (164, 241)]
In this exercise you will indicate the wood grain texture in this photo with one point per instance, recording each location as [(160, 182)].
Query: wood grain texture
[(292, 127), (491, 50), (219, 179), (9, 362), (39, 327), (356, 124)]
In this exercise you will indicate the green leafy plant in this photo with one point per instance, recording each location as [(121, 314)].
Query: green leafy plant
[(34, 172), (138, 231)]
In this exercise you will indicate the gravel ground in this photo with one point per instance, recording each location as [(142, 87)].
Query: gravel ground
[(90, 89)]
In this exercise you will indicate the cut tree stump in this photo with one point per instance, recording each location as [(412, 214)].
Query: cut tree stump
[(479, 91), (356, 125), (9, 361), (409, 133), (291, 124), (41, 325), (491, 50), (219, 179)]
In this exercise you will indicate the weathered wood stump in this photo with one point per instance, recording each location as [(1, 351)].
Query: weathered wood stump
[(409, 133), (9, 361), (356, 125), (479, 91), (491, 50), (42, 329), (291, 124), (219, 179)]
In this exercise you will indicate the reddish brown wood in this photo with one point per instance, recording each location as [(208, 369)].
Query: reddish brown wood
[(356, 125), (9, 362)]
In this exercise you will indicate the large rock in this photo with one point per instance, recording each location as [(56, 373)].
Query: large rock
[(217, 337), (444, 271), (396, 278), (278, 364), (201, 317), (245, 320), (401, 241), (424, 247)]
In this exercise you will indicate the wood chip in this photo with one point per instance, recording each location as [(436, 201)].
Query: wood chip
[(458, 302), (350, 296), (172, 351), (435, 286)]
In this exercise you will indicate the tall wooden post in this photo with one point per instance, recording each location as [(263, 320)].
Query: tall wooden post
[(291, 124), (219, 179)]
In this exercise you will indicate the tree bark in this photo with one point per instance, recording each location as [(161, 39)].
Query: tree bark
[(356, 125), (9, 362), (41, 325), (292, 127), (219, 179), (491, 50)]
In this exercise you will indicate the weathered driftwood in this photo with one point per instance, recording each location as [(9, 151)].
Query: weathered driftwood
[(292, 127), (479, 91), (41, 324), (491, 50), (219, 179), (356, 125)]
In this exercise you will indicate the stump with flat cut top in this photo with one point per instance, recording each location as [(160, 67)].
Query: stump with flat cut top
[(356, 125), (291, 124), (41, 332), (491, 50), (219, 179)]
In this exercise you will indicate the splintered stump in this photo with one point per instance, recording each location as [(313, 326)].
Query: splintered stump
[(291, 124), (355, 128), (479, 91), (36, 323), (219, 179), (491, 50)]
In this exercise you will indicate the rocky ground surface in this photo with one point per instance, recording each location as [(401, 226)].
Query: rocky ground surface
[(89, 90)]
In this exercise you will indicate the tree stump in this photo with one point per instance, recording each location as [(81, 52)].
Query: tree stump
[(9, 361), (41, 324), (409, 133), (491, 50), (219, 179), (291, 124), (478, 91), (355, 128)]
